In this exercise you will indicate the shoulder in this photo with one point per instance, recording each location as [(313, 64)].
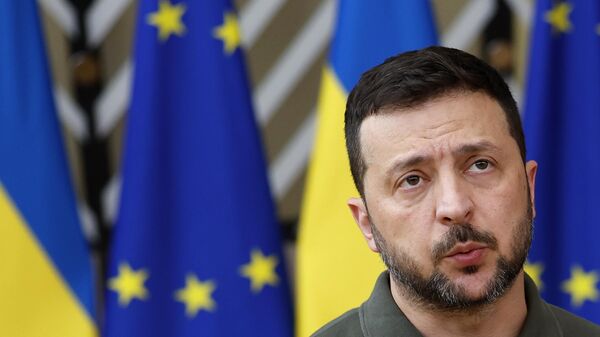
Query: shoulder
[(346, 325), (574, 325)]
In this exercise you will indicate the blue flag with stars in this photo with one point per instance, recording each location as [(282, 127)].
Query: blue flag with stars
[(562, 127), (196, 247)]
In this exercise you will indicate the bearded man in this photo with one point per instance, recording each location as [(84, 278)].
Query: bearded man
[(437, 153)]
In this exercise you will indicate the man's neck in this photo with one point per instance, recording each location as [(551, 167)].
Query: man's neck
[(503, 318)]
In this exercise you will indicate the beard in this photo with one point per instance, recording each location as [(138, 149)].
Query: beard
[(437, 292)]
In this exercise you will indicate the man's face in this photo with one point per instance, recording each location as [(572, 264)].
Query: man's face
[(449, 207)]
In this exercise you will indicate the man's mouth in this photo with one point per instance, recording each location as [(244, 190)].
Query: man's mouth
[(466, 254)]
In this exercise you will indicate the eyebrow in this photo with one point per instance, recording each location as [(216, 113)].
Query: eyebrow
[(463, 150)]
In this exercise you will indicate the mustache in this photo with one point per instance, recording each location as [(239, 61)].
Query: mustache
[(461, 233)]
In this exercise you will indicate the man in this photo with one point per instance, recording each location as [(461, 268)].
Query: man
[(437, 154)]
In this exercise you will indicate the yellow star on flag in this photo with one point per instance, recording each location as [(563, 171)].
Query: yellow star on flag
[(558, 17), (260, 270), (129, 284), (229, 33), (167, 19), (581, 286), (196, 295), (534, 270), (598, 29)]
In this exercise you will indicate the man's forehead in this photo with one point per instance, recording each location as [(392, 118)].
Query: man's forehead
[(438, 112), (446, 95), (465, 119)]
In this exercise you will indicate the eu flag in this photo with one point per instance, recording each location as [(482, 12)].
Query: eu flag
[(46, 284), (562, 126), (196, 248)]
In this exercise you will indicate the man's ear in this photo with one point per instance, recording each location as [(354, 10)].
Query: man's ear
[(531, 170), (361, 216)]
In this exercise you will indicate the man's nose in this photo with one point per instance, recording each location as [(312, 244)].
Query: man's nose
[(453, 204)]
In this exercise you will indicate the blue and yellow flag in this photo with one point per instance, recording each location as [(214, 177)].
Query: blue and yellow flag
[(336, 270), (45, 273), (196, 248), (562, 127)]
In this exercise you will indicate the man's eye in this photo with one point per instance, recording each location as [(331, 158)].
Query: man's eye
[(481, 165), (410, 181)]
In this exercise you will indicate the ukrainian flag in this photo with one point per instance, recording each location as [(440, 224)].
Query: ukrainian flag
[(46, 284), (336, 270)]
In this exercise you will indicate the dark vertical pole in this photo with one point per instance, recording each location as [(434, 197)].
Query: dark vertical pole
[(498, 40), (87, 81)]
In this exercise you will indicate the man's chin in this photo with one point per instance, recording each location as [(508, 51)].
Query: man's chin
[(472, 278), (472, 285)]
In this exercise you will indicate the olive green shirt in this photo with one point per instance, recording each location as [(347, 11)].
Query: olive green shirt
[(379, 316)]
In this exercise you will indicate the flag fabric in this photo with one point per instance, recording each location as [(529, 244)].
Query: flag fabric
[(196, 249), (46, 283), (336, 270), (562, 128)]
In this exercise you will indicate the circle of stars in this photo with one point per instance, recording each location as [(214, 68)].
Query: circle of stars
[(196, 295)]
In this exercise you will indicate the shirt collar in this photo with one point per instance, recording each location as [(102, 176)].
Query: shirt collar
[(540, 320), (380, 315)]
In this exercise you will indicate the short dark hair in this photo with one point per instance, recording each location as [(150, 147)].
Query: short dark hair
[(411, 79)]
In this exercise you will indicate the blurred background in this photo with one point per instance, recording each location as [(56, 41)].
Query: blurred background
[(89, 44), (286, 44)]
